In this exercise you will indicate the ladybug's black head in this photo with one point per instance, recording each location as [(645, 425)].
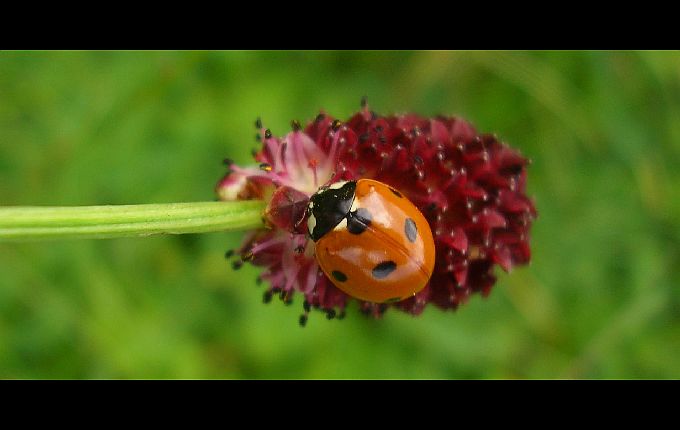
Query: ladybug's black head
[(328, 207)]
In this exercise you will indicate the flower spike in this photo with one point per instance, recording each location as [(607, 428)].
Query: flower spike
[(469, 186)]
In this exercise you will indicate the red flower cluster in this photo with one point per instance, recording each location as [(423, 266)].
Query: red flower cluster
[(469, 186)]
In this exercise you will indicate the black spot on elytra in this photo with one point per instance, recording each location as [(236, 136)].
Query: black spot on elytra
[(339, 276), (383, 269), (411, 230), (396, 193), (358, 221)]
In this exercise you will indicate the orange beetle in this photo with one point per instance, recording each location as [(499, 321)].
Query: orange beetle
[(371, 241)]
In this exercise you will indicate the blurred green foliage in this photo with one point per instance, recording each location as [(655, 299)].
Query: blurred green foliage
[(600, 299)]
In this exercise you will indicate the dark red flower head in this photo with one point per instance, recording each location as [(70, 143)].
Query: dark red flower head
[(469, 186)]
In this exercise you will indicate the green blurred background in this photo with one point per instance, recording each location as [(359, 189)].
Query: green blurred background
[(600, 299)]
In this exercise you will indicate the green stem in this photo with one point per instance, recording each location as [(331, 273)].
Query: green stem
[(98, 222)]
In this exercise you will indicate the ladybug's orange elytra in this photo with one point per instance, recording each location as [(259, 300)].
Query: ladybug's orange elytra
[(371, 241)]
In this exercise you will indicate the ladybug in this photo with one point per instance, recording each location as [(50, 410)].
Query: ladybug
[(371, 241)]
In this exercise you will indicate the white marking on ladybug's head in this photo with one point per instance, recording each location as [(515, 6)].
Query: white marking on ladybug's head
[(337, 185), (342, 225), (355, 205), (311, 223)]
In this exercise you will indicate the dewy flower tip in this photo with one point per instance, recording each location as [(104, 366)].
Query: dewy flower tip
[(469, 187)]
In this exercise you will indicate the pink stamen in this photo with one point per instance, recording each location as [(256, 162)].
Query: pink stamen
[(330, 162), (274, 151), (256, 172), (267, 243), (299, 152), (291, 277), (281, 156), (312, 165)]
